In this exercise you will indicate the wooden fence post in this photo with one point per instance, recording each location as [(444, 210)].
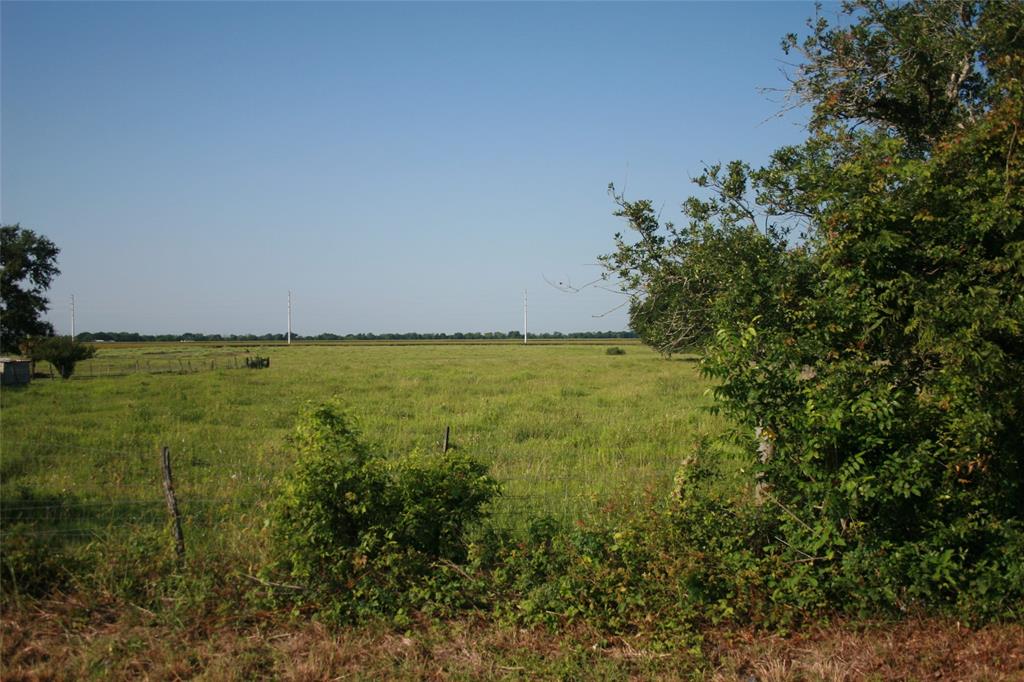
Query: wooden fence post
[(172, 505), (447, 433)]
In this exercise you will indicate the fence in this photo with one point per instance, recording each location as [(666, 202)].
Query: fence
[(217, 493), (124, 366)]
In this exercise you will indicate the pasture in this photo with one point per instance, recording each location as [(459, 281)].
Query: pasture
[(565, 427)]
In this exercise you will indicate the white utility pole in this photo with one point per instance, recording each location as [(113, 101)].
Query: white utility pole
[(289, 317), (525, 318), (72, 317)]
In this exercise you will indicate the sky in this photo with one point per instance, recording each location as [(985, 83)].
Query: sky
[(397, 166)]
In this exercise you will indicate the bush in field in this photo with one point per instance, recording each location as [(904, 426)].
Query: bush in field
[(360, 531), (615, 350), (62, 352)]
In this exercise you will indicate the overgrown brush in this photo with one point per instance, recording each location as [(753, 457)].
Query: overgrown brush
[(365, 535)]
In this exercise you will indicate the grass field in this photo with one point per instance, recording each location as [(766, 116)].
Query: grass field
[(564, 426)]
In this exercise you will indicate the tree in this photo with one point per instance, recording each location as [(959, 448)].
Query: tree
[(62, 352), (724, 265), (882, 373), (29, 262)]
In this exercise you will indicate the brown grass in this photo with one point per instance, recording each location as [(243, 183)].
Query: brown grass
[(918, 649), (65, 640)]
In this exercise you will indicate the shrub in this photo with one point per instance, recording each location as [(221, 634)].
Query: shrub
[(438, 497), (336, 494), (365, 535), (665, 571), (62, 352), (615, 350)]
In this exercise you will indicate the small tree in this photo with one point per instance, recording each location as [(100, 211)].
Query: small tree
[(62, 352)]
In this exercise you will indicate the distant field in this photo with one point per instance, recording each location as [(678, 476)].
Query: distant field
[(563, 425)]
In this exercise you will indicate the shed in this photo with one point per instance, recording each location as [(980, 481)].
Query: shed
[(15, 372)]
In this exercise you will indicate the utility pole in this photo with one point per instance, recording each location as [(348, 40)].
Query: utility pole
[(289, 317), (72, 317), (525, 318)]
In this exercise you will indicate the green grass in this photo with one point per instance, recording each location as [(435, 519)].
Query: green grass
[(564, 426)]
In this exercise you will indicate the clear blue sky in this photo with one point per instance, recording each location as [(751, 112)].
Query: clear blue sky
[(399, 167)]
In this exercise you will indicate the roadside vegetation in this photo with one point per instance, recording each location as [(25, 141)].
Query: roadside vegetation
[(843, 450)]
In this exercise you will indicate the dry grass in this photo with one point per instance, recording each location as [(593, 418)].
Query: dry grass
[(918, 649), (64, 640)]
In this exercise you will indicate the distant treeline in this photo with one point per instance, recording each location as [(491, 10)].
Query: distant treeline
[(135, 337)]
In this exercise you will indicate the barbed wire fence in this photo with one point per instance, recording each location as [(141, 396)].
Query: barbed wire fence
[(159, 364), (81, 492)]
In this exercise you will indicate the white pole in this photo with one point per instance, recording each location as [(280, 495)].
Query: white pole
[(72, 317), (525, 318), (289, 317)]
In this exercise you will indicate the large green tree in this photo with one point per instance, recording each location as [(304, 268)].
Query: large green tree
[(29, 264), (882, 371)]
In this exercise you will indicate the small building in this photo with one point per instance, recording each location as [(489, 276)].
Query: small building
[(15, 372)]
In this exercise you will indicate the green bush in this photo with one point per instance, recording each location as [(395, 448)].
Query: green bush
[(365, 535), (62, 352), (615, 350), (683, 563)]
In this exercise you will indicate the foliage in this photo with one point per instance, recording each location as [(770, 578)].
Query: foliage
[(880, 363), (29, 264), (62, 352), (615, 350), (360, 531), (723, 266)]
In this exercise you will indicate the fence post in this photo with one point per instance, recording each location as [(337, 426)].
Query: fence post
[(172, 504), (447, 433)]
